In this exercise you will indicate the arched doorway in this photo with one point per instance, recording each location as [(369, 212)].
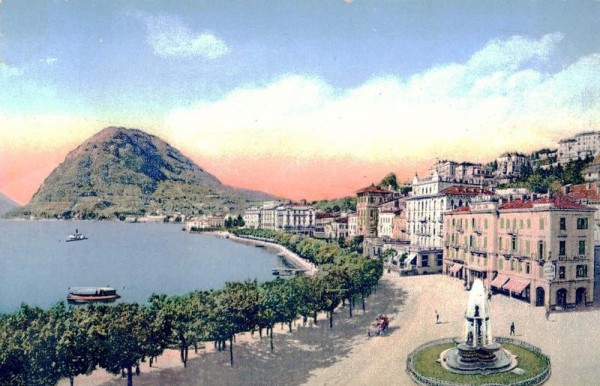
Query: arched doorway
[(540, 295), (561, 298), (580, 296)]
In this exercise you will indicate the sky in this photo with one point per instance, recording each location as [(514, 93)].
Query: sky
[(304, 99)]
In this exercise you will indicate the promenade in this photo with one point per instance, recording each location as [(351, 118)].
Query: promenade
[(344, 355)]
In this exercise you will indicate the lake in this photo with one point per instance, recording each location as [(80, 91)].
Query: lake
[(37, 266)]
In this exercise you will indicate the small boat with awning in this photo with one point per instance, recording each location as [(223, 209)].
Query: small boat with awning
[(92, 294), (76, 236)]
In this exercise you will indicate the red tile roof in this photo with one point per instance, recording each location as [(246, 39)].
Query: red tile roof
[(459, 190), (559, 201), (462, 209), (374, 189), (320, 215), (581, 192)]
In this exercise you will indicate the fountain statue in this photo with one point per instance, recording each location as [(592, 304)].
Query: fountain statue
[(477, 353)]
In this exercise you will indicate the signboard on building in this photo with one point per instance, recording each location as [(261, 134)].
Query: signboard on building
[(549, 271)]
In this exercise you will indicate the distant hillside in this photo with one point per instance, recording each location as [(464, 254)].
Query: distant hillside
[(6, 204), (120, 172)]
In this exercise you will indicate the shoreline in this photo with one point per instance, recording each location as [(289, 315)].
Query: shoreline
[(281, 251)]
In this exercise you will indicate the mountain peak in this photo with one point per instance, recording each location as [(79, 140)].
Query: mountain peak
[(122, 171)]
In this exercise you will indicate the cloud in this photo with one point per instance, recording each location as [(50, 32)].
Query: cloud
[(7, 71), (49, 60), (497, 100), (170, 38)]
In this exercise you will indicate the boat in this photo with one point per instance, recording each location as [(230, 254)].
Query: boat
[(92, 294), (76, 236)]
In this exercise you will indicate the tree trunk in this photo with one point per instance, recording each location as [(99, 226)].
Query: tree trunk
[(350, 306), (129, 377), (71, 381), (196, 347), (271, 338), (304, 320), (231, 351), (290, 325), (151, 361), (137, 370), (315, 317), (331, 319), (183, 354), (363, 303), (260, 332)]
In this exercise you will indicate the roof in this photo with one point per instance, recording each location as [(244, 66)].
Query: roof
[(374, 190), (461, 209), (341, 220), (320, 215), (581, 192), (559, 201), (461, 190)]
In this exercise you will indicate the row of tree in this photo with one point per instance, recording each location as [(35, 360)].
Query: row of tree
[(39, 347)]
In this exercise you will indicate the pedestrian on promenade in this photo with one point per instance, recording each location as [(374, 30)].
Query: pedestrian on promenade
[(437, 317), (512, 328)]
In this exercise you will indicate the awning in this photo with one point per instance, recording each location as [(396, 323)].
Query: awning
[(409, 260), (499, 281), (516, 286), (455, 268)]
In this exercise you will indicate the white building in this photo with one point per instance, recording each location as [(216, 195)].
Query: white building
[(580, 146), (430, 199), (510, 166), (252, 218), (352, 223), (385, 223), (295, 218)]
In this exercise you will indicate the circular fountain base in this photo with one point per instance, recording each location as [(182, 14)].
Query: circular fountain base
[(464, 359)]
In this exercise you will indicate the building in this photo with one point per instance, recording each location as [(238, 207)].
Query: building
[(352, 224), (252, 218), (461, 172), (385, 222), (588, 194), (539, 250), (291, 218), (400, 225), (510, 166), (582, 145), (367, 209)]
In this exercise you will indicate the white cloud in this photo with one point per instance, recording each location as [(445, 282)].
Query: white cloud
[(7, 71), (170, 38), (496, 101), (49, 60)]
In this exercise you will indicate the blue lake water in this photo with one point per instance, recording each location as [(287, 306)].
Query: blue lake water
[(37, 266)]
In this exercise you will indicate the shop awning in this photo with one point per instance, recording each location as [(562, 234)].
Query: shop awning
[(456, 267), (499, 281), (409, 260), (516, 286)]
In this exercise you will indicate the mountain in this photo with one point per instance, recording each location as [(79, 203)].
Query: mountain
[(121, 171), (6, 204)]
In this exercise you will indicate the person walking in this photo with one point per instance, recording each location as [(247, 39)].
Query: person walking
[(437, 317), (512, 328)]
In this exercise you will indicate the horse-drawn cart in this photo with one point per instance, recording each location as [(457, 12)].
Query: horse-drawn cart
[(379, 326)]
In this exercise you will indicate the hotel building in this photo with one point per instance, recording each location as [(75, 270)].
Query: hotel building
[(540, 250)]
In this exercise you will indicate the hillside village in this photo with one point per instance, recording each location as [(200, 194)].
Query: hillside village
[(512, 222)]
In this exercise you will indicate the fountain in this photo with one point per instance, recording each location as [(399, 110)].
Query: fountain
[(478, 353)]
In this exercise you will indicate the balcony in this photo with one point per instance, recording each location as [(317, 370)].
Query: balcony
[(478, 231), (512, 232), (478, 251)]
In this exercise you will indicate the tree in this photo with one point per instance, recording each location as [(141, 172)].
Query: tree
[(390, 181)]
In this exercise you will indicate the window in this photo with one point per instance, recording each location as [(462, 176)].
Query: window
[(540, 249), (562, 248), (500, 264), (485, 223), (541, 224), (563, 224), (500, 243), (581, 271), (425, 261), (561, 272), (513, 244), (527, 247), (582, 223), (528, 223), (519, 266), (440, 260), (471, 241), (527, 268), (582, 247), (512, 265), (514, 223), (473, 223), (484, 242), (521, 224), (501, 223)]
